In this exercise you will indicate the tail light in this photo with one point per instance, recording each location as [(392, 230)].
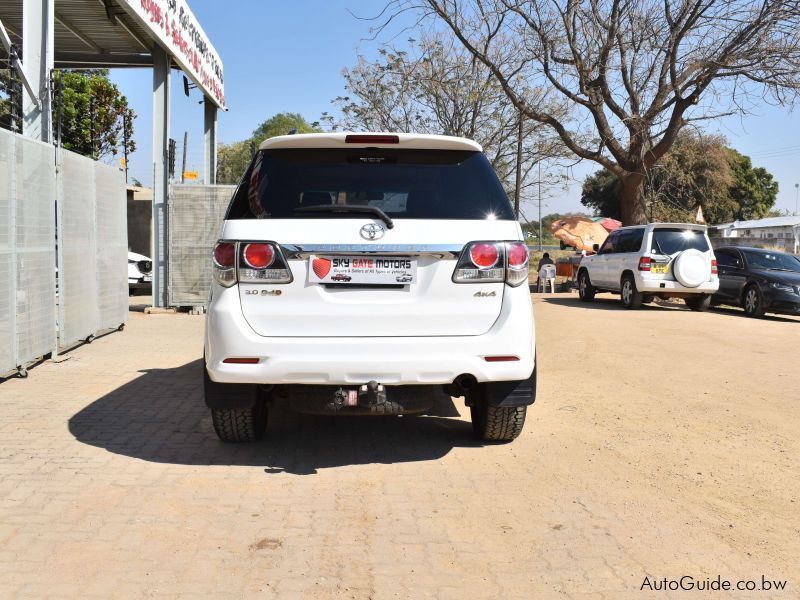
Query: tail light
[(644, 263), (258, 262), (714, 267), (517, 271), (262, 262), (493, 262), (224, 266)]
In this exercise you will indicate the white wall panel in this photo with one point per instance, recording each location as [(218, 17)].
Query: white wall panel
[(195, 220)]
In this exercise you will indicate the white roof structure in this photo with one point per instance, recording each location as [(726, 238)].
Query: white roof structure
[(410, 141), (791, 221)]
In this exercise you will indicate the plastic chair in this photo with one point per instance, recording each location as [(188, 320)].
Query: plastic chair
[(547, 274)]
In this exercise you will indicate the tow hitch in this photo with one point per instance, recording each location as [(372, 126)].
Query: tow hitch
[(370, 398), (369, 394)]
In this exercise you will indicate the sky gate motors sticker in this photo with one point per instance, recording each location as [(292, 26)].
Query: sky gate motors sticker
[(377, 270)]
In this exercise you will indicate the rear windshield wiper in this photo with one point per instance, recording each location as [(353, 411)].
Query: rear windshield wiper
[(349, 208)]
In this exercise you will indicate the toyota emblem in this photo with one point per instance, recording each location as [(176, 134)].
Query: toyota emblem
[(372, 231)]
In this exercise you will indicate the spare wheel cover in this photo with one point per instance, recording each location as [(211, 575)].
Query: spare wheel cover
[(691, 268)]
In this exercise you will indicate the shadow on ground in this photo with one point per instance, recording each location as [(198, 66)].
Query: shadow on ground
[(161, 417), (601, 303)]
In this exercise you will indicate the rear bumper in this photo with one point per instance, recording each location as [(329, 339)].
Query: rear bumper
[(665, 287), (356, 360)]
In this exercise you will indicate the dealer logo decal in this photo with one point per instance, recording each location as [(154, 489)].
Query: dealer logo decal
[(321, 266)]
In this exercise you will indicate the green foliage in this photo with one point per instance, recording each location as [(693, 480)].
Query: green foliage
[(755, 191), (699, 171), (233, 158), (90, 104)]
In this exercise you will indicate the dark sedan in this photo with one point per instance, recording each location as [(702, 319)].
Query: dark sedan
[(760, 281)]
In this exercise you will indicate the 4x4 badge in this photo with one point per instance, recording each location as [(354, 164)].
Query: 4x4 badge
[(484, 294), (372, 231)]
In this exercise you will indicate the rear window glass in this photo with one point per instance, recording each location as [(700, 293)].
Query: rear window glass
[(777, 261), (405, 184), (670, 241)]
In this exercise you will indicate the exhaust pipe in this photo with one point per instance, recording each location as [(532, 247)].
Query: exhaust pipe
[(462, 385)]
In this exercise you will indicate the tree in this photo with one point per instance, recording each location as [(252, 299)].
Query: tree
[(699, 170), (634, 71), (233, 158), (91, 105), (754, 192), (437, 87)]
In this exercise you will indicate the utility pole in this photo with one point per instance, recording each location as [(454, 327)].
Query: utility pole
[(540, 203), (519, 168), (185, 142), (125, 143), (91, 123), (796, 197)]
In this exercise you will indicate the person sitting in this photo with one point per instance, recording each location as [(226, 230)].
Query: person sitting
[(545, 260)]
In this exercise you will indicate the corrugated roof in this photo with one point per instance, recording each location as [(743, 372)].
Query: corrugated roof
[(790, 221), (87, 33)]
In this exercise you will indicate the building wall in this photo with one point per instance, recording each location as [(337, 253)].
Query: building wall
[(140, 221)]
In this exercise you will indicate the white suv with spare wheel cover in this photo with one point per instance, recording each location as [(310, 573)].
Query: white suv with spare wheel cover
[(364, 274), (658, 260)]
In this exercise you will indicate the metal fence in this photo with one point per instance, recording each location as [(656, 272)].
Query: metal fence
[(196, 213), (27, 250), (92, 228), (91, 244)]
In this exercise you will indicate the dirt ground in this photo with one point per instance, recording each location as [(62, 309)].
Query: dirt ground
[(664, 444)]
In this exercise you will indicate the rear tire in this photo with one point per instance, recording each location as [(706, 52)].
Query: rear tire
[(752, 302), (630, 296), (698, 303), (240, 424), (586, 290), (496, 423)]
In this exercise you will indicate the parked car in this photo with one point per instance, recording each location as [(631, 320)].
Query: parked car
[(381, 206), (760, 281), (658, 260), (140, 273)]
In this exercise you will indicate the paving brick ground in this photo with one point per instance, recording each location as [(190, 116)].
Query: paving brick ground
[(664, 443)]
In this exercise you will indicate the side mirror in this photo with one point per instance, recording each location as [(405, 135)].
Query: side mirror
[(596, 247)]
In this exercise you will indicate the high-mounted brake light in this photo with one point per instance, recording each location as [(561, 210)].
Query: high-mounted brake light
[(714, 267), (644, 263), (372, 139)]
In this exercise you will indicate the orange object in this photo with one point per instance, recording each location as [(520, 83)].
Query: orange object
[(582, 233)]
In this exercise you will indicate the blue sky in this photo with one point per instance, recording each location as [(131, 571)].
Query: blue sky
[(288, 57)]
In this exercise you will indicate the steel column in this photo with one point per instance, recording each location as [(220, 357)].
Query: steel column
[(37, 63), (210, 142), (161, 78)]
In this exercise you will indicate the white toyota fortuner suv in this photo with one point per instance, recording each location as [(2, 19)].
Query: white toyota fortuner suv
[(363, 273), (659, 260)]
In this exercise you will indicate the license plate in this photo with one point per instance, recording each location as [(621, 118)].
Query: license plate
[(659, 268), (147, 278), (369, 270)]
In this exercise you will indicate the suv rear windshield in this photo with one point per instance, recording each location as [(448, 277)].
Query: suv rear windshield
[(405, 184), (670, 241)]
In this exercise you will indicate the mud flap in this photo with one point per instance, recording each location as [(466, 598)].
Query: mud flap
[(511, 393), (226, 396)]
